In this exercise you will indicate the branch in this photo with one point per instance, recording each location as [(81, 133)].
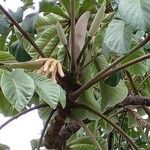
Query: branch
[(122, 123), (22, 113), (31, 65), (130, 100), (136, 92), (45, 127), (125, 65), (72, 39), (66, 132), (88, 132), (143, 123), (132, 83), (14, 22), (110, 139), (55, 126), (118, 129), (102, 75)]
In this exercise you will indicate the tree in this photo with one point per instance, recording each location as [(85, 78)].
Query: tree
[(103, 47)]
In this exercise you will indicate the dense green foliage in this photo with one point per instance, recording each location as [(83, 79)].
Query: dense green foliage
[(99, 57)]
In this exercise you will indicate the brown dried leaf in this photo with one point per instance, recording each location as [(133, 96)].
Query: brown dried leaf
[(80, 32)]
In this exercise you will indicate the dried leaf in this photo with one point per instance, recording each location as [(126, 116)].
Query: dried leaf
[(80, 33)]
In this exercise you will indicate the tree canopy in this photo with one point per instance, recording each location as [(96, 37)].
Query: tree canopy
[(91, 85)]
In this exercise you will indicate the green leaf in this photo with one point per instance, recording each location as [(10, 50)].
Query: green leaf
[(66, 4), (114, 79), (34, 143), (139, 36), (44, 22), (4, 147), (87, 5), (88, 96), (136, 13), (97, 19), (139, 68), (18, 88), (82, 143), (44, 112), (61, 34), (112, 95), (29, 22), (45, 42), (83, 147), (4, 24), (145, 89), (27, 1), (100, 63), (18, 51), (18, 15), (85, 143), (49, 90), (49, 7), (2, 41), (5, 56), (132, 122), (118, 36), (5, 107)]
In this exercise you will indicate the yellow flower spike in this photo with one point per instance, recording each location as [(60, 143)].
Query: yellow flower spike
[(53, 66), (54, 74), (60, 70), (50, 66), (41, 70), (47, 64)]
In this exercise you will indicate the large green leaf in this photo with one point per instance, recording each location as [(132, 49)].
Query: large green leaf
[(114, 79), (4, 147), (118, 36), (46, 6), (34, 143), (4, 24), (135, 12), (18, 88), (49, 90), (2, 41), (29, 23), (44, 112), (85, 143), (88, 96), (45, 43), (112, 95), (18, 51), (139, 36), (100, 63), (66, 4), (87, 5), (97, 20), (139, 68), (5, 107), (18, 15), (5, 56), (45, 22), (82, 143), (145, 89)]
